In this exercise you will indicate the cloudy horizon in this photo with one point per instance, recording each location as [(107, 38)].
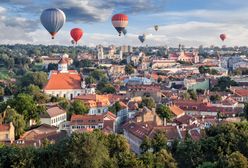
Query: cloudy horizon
[(185, 22)]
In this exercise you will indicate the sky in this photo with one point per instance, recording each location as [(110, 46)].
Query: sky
[(188, 22)]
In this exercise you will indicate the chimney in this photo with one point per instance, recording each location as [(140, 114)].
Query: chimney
[(165, 122)]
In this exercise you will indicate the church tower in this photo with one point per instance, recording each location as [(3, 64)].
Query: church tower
[(62, 65)]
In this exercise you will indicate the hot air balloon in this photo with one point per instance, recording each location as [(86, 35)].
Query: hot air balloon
[(142, 38), (120, 21), (156, 27), (52, 19), (76, 34), (124, 31), (223, 37)]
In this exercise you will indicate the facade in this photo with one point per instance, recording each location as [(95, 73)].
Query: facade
[(54, 116), (65, 83), (152, 90), (82, 123), (97, 104), (157, 64), (7, 133)]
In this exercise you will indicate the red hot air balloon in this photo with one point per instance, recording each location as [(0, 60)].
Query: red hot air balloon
[(223, 37), (76, 34), (120, 22)]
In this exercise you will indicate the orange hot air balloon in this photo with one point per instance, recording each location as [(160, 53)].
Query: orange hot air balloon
[(223, 37), (76, 34), (120, 22)]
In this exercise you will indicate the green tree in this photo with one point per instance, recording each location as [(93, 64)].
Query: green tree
[(36, 78), (98, 75), (129, 69), (25, 105), (159, 141), (90, 80), (237, 160), (164, 159), (149, 102), (115, 107), (164, 111), (215, 98), (77, 107), (17, 120), (246, 110), (146, 144), (207, 165)]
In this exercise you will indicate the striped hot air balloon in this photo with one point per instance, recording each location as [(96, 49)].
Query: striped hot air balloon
[(120, 22), (52, 19), (76, 34)]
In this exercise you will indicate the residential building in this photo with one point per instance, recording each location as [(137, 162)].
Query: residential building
[(194, 84), (35, 137), (7, 133), (98, 104), (53, 116)]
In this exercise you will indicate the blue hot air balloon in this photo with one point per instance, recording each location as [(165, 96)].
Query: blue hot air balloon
[(142, 38), (124, 31), (53, 19)]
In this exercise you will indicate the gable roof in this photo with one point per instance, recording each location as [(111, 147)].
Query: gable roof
[(176, 110), (63, 81), (52, 112)]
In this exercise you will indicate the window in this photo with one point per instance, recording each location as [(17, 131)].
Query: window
[(7, 136), (64, 95)]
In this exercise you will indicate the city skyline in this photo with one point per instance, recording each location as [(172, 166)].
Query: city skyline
[(187, 22)]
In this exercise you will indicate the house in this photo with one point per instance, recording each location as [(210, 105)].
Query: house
[(146, 124), (139, 90), (53, 116), (194, 84), (82, 123), (46, 60), (64, 83), (117, 70), (240, 93), (163, 63), (35, 137), (97, 104), (7, 133), (176, 111)]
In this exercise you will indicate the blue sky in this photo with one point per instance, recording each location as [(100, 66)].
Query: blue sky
[(189, 22)]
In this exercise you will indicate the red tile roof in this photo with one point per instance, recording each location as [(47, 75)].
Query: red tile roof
[(86, 119), (4, 127), (61, 81)]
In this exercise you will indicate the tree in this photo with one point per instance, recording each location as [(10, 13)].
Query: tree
[(207, 165), (246, 110), (115, 107), (25, 105), (224, 83), (17, 120), (204, 69), (214, 98), (192, 94), (237, 160), (35, 78), (105, 87), (90, 80), (77, 107), (149, 102), (164, 159), (129, 69), (159, 141), (51, 67), (146, 144), (98, 75), (164, 111)]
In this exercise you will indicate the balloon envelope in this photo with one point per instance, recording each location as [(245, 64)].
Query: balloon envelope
[(76, 34), (120, 22), (142, 38), (124, 31), (156, 27), (223, 37), (52, 19)]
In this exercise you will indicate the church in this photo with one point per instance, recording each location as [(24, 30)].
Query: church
[(65, 83)]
